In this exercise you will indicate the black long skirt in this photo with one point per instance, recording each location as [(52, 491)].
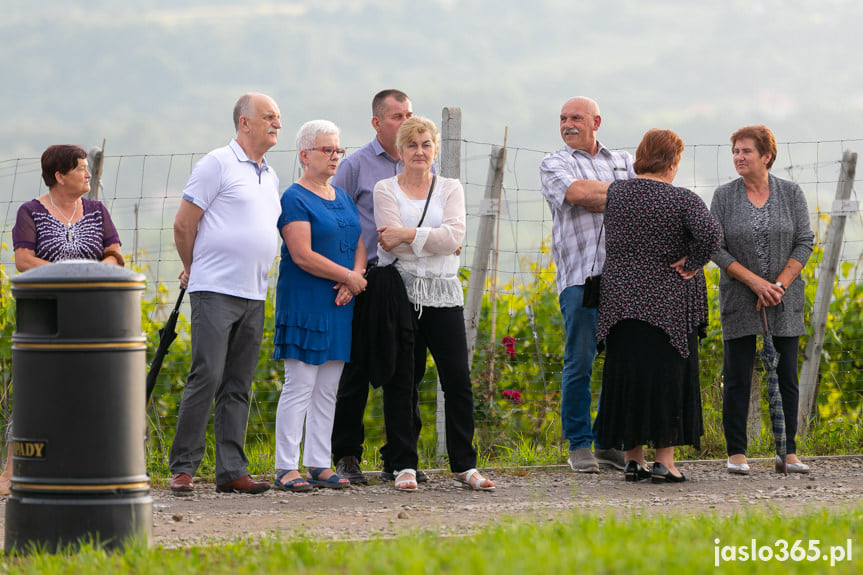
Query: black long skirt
[(650, 393)]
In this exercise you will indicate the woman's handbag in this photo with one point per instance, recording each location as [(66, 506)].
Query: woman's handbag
[(590, 299), (591, 291)]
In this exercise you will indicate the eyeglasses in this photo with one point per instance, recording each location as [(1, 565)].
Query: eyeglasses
[(329, 150)]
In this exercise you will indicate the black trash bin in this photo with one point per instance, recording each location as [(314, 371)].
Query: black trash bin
[(78, 419)]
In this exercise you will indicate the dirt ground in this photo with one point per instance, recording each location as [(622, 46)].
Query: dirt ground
[(442, 506)]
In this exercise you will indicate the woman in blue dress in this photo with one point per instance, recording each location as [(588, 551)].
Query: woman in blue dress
[(321, 270)]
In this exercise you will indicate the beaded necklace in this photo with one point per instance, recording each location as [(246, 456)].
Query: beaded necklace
[(69, 219)]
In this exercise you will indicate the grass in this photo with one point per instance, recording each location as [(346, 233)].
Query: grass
[(584, 543), (836, 437)]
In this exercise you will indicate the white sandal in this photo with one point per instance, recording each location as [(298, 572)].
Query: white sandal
[(406, 479), (465, 479)]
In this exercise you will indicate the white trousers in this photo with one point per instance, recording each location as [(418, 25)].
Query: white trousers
[(308, 396)]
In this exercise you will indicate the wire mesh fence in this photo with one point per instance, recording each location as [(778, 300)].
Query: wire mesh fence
[(519, 348)]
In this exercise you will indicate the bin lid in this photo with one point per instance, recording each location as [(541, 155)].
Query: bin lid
[(78, 271)]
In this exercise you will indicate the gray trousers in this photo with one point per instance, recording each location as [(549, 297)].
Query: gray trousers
[(226, 339)]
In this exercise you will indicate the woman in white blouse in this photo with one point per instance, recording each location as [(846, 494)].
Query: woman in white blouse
[(421, 226)]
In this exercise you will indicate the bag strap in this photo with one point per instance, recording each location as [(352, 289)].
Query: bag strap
[(596, 251), (602, 226), (426, 207)]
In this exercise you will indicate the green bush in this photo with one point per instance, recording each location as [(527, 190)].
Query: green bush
[(534, 368), (7, 326), (508, 431)]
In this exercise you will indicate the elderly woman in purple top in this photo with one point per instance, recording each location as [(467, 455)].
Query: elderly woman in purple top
[(61, 224)]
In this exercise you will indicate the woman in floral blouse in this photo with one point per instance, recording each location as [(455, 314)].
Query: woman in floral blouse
[(61, 224), (653, 308)]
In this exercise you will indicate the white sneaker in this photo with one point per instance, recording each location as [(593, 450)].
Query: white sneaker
[(737, 468)]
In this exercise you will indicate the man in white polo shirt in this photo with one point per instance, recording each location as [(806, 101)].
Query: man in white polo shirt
[(226, 235)]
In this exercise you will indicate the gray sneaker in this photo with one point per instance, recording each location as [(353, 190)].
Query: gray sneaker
[(349, 467), (611, 457), (581, 459)]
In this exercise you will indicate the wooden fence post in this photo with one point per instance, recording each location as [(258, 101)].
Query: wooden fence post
[(484, 236), (450, 152), (450, 167), (95, 157), (826, 277)]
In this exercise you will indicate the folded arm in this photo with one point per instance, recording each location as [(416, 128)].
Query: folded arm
[(298, 239)]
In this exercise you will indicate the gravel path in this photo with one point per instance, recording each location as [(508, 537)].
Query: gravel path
[(536, 493), (442, 506)]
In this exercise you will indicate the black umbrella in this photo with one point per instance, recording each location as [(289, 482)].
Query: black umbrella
[(777, 416), (167, 335)]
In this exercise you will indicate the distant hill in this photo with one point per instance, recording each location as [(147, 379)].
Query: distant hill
[(156, 77)]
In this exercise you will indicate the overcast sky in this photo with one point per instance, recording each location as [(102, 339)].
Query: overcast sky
[(156, 77), (161, 77)]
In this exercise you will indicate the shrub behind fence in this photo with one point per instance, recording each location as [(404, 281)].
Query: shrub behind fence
[(519, 347)]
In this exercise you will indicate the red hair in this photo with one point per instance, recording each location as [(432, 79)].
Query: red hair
[(765, 143), (658, 151)]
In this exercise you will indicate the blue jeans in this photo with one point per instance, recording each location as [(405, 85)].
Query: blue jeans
[(579, 353)]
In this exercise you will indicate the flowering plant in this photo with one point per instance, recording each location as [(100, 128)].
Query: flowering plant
[(512, 395), (509, 343)]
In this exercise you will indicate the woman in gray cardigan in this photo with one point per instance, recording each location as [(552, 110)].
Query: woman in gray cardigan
[(766, 242)]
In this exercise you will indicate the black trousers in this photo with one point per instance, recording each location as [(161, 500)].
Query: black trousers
[(402, 431), (738, 363), (441, 331)]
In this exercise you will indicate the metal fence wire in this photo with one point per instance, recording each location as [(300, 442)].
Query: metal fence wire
[(518, 351)]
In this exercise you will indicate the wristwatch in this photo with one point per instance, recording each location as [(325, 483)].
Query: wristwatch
[(780, 285)]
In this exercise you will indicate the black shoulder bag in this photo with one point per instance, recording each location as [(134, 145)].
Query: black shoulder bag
[(592, 283)]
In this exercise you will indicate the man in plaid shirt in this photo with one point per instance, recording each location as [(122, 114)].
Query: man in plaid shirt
[(575, 179)]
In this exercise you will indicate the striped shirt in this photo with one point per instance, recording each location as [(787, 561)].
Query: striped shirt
[(575, 231)]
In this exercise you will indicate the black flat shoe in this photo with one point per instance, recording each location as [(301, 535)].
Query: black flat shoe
[(634, 471), (661, 474)]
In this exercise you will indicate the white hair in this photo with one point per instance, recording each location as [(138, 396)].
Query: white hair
[(309, 132), (242, 108)]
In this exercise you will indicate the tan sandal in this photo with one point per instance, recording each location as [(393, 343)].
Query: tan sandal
[(472, 479), (406, 480)]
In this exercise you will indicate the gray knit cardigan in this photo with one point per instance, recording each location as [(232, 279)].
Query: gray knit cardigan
[(790, 237)]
